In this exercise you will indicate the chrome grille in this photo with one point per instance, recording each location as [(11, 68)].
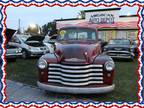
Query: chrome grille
[(42, 48), (118, 53), (75, 75)]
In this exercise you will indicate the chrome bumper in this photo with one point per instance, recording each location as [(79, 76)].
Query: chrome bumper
[(125, 57), (76, 90), (38, 53), (13, 55)]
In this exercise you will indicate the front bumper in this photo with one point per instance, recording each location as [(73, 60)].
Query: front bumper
[(36, 53), (9, 55), (76, 90), (123, 57)]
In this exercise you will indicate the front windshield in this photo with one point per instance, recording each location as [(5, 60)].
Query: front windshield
[(120, 42), (77, 34)]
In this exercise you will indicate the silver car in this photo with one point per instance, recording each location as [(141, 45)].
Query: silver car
[(13, 52), (31, 45)]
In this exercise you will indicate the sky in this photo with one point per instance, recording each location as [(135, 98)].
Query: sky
[(45, 14)]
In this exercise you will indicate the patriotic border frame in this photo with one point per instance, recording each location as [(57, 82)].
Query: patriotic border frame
[(73, 3)]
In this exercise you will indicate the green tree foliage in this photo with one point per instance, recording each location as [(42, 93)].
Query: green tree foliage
[(49, 27), (81, 14)]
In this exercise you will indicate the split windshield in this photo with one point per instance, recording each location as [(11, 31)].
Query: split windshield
[(77, 34)]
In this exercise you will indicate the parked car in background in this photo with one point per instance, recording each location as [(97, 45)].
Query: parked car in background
[(13, 52), (9, 34), (47, 42), (135, 47), (119, 48), (31, 45), (78, 65)]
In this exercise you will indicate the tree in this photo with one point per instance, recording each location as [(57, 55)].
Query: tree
[(81, 14), (33, 29), (49, 28)]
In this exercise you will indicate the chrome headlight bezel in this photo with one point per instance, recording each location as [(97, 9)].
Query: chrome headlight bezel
[(109, 65), (131, 49), (104, 49), (18, 50), (42, 64)]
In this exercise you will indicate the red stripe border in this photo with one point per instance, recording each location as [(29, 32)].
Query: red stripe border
[(102, 105)]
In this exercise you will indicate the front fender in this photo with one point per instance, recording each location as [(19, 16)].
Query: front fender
[(107, 75), (102, 58), (43, 73)]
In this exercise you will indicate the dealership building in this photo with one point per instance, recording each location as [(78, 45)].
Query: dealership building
[(109, 22)]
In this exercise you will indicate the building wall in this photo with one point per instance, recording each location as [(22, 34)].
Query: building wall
[(128, 19), (106, 35), (129, 34), (98, 16), (110, 16), (70, 22)]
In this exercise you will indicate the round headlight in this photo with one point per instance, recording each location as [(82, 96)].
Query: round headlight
[(17, 51), (42, 64), (132, 49), (104, 49), (109, 65)]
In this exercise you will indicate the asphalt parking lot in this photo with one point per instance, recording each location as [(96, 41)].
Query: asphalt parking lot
[(24, 88), (17, 92)]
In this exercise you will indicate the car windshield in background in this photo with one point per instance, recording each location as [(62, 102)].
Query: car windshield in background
[(24, 38), (77, 34), (120, 42)]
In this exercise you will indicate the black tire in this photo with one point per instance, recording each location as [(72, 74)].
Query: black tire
[(24, 54), (11, 60)]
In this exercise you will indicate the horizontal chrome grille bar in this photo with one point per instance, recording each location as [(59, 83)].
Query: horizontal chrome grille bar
[(120, 56), (75, 67), (75, 80), (75, 84), (74, 75), (74, 71), (114, 51)]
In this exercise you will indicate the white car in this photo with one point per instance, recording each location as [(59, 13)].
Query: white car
[(31, 45), (46, 41)]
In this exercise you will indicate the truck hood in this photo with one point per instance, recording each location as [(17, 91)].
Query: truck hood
[(77, 51)]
